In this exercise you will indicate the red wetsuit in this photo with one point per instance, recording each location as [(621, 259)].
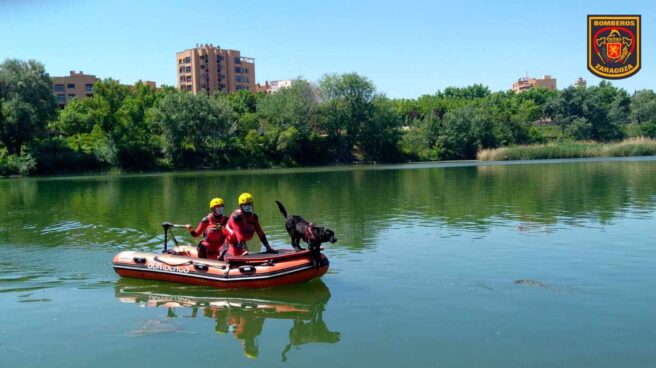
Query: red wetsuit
[(240, 228), (214, 237)]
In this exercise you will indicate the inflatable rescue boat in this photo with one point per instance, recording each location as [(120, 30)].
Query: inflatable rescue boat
[(258, 270)]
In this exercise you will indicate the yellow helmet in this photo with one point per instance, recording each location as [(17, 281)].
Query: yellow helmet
[(216, 202), (245, 198)]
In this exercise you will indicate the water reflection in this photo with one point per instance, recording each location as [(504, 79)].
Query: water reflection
[(241, 313), (358, 204)]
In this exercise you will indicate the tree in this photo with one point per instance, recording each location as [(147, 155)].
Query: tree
[(464, 131), (26, 102), (108, 97), (475, 91), (347, 108), (194, 127), (242, 101), (75, 118), (379, 138), (135, 137), (604, 107), (291, 107), (643, 107)]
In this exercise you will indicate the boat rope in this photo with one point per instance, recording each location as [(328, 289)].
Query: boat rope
[(190, 263), (156, 258)]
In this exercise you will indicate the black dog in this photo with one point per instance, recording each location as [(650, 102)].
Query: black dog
[(298, 228)]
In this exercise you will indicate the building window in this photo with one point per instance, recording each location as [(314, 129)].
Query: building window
[(179, 61), (189, 78), (182, 88), (59, 88), (202, 66), (237, 69), (222, 77), (245, 79), (70, 86), (181, 69), (61, 98), (188, 70), (237, 60), (189, 87), (222, 86), (245, 70), (182, 78), (238, 78), (187, 60), (70, 97), (88, 87)]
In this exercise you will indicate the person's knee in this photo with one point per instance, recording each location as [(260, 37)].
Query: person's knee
[(202, 250)]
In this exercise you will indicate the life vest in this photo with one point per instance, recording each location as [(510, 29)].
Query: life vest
[(243, 223), (212, 234)]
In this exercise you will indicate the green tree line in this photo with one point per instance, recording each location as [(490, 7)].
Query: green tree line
[(340, 119)]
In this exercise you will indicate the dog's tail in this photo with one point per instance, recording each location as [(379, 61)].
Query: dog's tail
[(282, 209)]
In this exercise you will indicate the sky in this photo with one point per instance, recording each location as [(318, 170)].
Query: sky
[(407, 48)]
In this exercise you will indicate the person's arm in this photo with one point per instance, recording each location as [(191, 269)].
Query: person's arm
[(261, 235), (202, 225), (235, 227)]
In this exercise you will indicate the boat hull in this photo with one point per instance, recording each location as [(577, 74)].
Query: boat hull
[(255, 271)]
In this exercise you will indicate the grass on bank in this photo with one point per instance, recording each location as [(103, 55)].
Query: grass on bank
[(638, 146)]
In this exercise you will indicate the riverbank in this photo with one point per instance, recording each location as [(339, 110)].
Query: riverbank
[(627, 148), (634, 147)]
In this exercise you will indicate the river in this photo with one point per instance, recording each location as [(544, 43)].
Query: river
[(523, 264)]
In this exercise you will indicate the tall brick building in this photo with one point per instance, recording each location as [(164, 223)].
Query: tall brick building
[(208, 68)]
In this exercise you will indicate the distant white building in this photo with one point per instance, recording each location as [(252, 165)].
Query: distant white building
[(580, 83), (274, 86)]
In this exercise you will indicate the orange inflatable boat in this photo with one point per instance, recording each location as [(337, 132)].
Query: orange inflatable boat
[(259, 270)]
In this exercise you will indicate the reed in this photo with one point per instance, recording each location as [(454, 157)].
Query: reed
[(638, 146)]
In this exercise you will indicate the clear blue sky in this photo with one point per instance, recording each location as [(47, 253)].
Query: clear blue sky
[(408, 48)]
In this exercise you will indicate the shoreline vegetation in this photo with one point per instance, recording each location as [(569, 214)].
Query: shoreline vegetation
[(631, 147), (341, 119)]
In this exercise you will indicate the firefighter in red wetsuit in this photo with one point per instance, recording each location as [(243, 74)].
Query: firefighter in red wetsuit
[(211, 227), (242, 225)]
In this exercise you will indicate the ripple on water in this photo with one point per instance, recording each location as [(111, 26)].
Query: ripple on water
[(66, 226), (74, 234), (24, 276), (44, 300), (155, 327)]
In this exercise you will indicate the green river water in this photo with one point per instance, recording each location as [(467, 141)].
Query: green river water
[(540, 264)]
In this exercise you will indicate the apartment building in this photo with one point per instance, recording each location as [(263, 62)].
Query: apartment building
[(75, 85), (208, 68), (580, 83), (526, 83)]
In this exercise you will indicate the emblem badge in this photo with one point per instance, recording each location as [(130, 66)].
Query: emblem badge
[(614, 45)]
